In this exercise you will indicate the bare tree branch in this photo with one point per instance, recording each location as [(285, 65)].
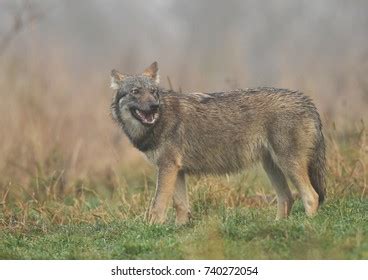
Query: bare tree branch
[(25, 15)]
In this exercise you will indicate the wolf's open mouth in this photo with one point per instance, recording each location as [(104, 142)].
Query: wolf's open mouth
[(145, 117)]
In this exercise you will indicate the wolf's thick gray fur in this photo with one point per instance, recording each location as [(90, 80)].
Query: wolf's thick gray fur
[(219, 133)]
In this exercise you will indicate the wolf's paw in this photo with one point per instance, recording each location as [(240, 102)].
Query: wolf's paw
[(183, 218), (155, 217)]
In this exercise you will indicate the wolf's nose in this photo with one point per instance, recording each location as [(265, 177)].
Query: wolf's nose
[(154, 106)]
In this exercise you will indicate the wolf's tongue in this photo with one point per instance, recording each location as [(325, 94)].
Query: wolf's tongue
[(148, 117)]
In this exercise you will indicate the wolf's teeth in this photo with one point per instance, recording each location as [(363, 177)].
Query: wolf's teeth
[(139, 113), (149, 118)]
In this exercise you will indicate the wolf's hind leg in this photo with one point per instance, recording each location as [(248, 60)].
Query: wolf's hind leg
[(181, 201), (276, 176), (298, 174)]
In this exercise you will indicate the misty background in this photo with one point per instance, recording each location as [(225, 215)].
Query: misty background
[(317, 46), (56, 58)]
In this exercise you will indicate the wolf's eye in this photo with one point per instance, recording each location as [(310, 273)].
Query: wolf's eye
[(134, 91)]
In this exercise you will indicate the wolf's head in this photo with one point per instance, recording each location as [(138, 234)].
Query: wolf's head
[(136, 102)]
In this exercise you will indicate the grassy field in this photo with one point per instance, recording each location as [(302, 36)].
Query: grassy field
[(72, 187), (338, 232), (102, 217)]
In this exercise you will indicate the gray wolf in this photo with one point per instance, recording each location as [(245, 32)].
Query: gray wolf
[(220, 133)]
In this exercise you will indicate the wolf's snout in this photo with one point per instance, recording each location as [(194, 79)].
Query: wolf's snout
[(154, 106)]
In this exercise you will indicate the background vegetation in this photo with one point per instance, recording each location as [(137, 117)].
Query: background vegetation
[(71, 186)]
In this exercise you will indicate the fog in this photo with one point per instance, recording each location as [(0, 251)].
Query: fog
[(320, 47)]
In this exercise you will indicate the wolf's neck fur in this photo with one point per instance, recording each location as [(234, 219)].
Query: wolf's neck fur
[(140, 136)]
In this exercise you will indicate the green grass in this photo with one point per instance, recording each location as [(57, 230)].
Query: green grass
[(339, 231), (49, 213)]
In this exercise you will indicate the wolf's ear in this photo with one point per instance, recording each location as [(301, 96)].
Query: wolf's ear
[(116, 79), (152, 72)]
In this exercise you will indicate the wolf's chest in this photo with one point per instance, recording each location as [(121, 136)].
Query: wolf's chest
[(152, 156)]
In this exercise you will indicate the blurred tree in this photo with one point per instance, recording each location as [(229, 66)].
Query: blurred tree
[(25, 14)]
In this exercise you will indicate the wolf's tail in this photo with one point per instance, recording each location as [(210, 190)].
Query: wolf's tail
[(317, 167)]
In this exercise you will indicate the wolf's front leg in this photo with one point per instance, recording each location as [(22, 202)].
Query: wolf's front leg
[(181, 201), (165, 187)]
